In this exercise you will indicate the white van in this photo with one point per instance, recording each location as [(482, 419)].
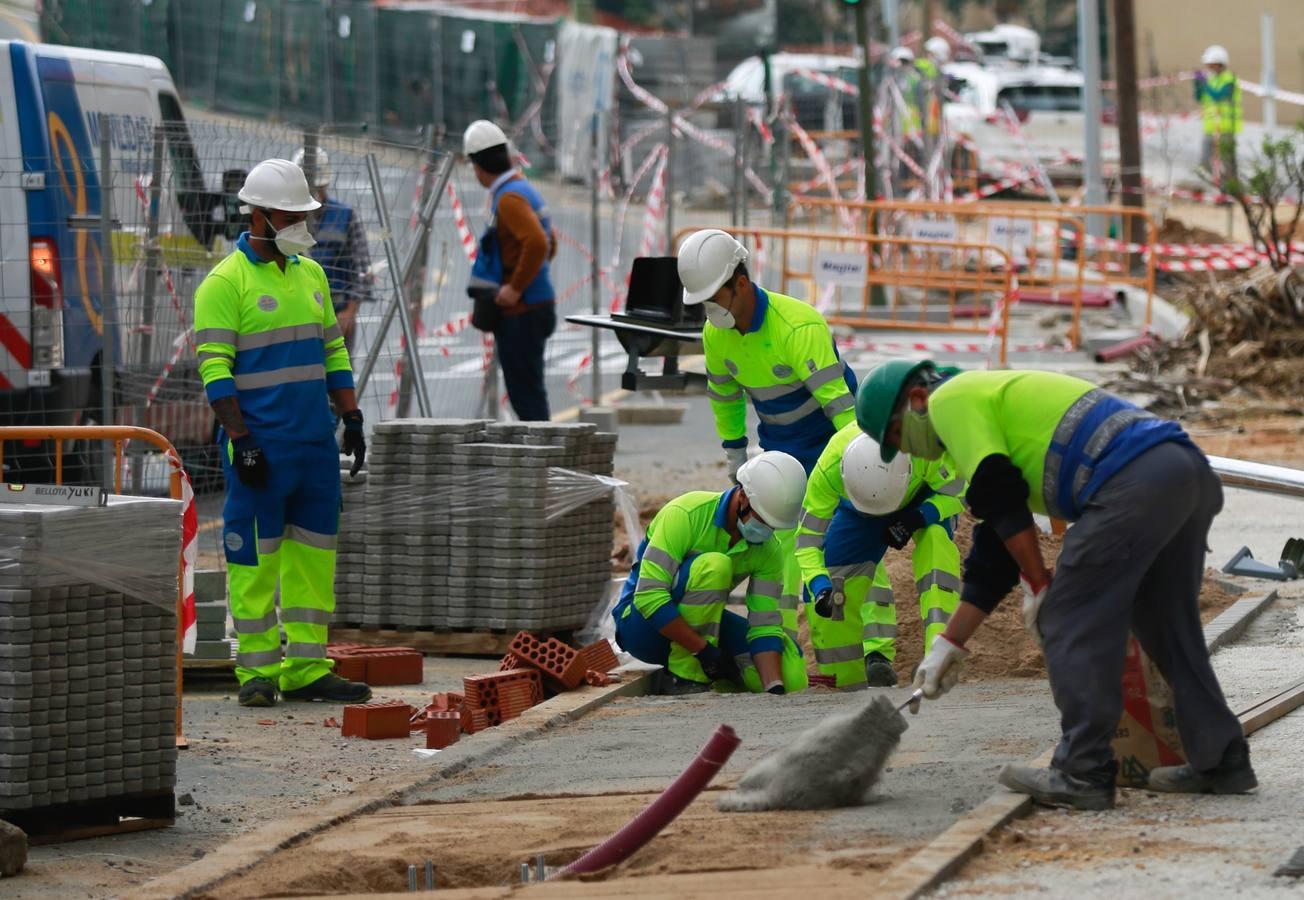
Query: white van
[(53, 101)]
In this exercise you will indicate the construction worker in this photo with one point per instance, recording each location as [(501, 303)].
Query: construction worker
[(779, 352), (698, 547), (1142, 497), (341, 247), (1218, 91), (932, 82), (905, 87), (270, 351), (856, 507), (522, 230)]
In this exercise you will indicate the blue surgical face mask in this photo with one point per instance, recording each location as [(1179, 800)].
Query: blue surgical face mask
[(754, 531)]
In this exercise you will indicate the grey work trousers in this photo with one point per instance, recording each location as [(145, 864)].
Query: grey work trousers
[(1135, 560)]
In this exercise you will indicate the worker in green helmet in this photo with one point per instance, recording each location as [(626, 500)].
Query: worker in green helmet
[(1042, 442)]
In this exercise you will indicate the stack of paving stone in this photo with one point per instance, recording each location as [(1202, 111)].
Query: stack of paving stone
[(211, 641), (467, 525), (87, 672), (351, 551)]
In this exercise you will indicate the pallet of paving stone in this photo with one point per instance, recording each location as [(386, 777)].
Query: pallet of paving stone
[(95, 818), (480, 642)]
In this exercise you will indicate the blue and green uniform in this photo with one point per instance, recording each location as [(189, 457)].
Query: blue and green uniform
[(687, 566), (269, 339), (1219, 96), (840, 547)]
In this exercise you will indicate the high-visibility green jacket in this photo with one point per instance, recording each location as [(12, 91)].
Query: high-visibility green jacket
[(1219, 96), (787, 363), (269, 338), (825, 491)]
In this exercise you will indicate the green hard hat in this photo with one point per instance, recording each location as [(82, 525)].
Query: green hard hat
[(876, 399)]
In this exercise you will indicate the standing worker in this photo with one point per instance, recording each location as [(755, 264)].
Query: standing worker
[(779, 352), (672, 607), (270, 351), (856, 507), (341, 247), (937, 53), (1050, 443), (1218, 91), (526, 243), (906, 95)]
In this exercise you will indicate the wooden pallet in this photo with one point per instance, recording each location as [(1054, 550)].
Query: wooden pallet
[(435, 643), (95, 818)]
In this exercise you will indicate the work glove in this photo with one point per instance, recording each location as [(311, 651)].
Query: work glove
[(355, 442), (829, 603), (940, 669), (734, 457), (716, 665), (250, 463), (900, 525), (1033, 598)]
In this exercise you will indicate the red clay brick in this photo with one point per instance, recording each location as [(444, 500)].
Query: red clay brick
[(511, 661), (473, 720), (375, 721), (393, 667), (443, 729), (560, 664), (599, 657), (447, 701), (597, 679), (354, 668)]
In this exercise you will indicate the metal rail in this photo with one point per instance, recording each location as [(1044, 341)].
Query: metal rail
[(1255, 476)]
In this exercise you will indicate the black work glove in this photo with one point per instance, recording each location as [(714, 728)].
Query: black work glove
[(716, 665), (824, 603), (898, 526), (250, 463), (355, 442)]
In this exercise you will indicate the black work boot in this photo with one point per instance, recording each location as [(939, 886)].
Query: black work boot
[(331, 687), (257, 692), (667, 684), (1232, 775), (1051, 787), (879, 672)]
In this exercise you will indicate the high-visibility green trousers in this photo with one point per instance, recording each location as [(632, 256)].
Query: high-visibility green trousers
[(284, 533)]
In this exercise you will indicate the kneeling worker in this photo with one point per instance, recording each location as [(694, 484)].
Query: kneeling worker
[(856, 507), (1050, 443), (698, 547)]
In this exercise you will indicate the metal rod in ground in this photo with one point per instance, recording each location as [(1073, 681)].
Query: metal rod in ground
[(595, 273), (540, 868), (525, 873), (108, 308), (152, 256), (430, 874), (396, 280), (412, 878), (425, 220)]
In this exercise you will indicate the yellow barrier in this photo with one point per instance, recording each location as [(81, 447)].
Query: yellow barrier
[(973, 282), (120, 435)]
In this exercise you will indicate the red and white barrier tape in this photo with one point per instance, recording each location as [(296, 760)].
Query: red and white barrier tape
[(758, 121), (617, 243), (816, 156), (469, 245), (189, 556)]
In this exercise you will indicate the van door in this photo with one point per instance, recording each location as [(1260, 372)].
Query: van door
[(15, 286)]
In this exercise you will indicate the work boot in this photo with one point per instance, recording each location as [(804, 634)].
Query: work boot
[(1051, 787), (1232, 775), (257, 692), (667, 684), (332, 688), (879, 672)]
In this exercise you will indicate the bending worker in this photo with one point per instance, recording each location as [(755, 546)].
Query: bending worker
[(698, 547), (779, 352), (856, 507), (1050, 443), (270, 351)]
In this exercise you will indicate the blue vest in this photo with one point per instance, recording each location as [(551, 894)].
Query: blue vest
[(540, 289), (332, 250)]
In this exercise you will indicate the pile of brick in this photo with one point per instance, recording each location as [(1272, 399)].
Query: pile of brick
[(87, 652), (534, 669), (467, 524)]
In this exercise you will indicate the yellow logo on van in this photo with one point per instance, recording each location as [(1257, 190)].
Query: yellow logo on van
[(64, 155)]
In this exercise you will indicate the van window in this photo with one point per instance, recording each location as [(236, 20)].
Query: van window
[(187, 174), (1042, 97)]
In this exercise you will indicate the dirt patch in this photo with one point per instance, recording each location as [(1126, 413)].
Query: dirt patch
[(483, 844), (1253, 435), (1175, 231)]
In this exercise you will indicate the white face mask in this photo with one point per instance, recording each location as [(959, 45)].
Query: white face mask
[(294, 240), (718, 316)]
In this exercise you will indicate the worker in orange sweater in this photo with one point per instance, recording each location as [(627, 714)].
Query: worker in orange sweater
[(526, 243)]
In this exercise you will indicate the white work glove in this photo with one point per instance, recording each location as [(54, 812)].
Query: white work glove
[(940, 670), (1032, 601), (734, 457)]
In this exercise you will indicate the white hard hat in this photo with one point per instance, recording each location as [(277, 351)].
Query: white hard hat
[(1215, 54), (874, 487), (707, 259), (938, 48), (902, 55), (481, 135), (277, 184), (321, 173), (775, 484)]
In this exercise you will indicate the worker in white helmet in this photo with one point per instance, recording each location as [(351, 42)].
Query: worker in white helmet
[(341, 246), (775, 350), (521, 231), (671, 610), (1218, 91), (270, 354), (856, 507)]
